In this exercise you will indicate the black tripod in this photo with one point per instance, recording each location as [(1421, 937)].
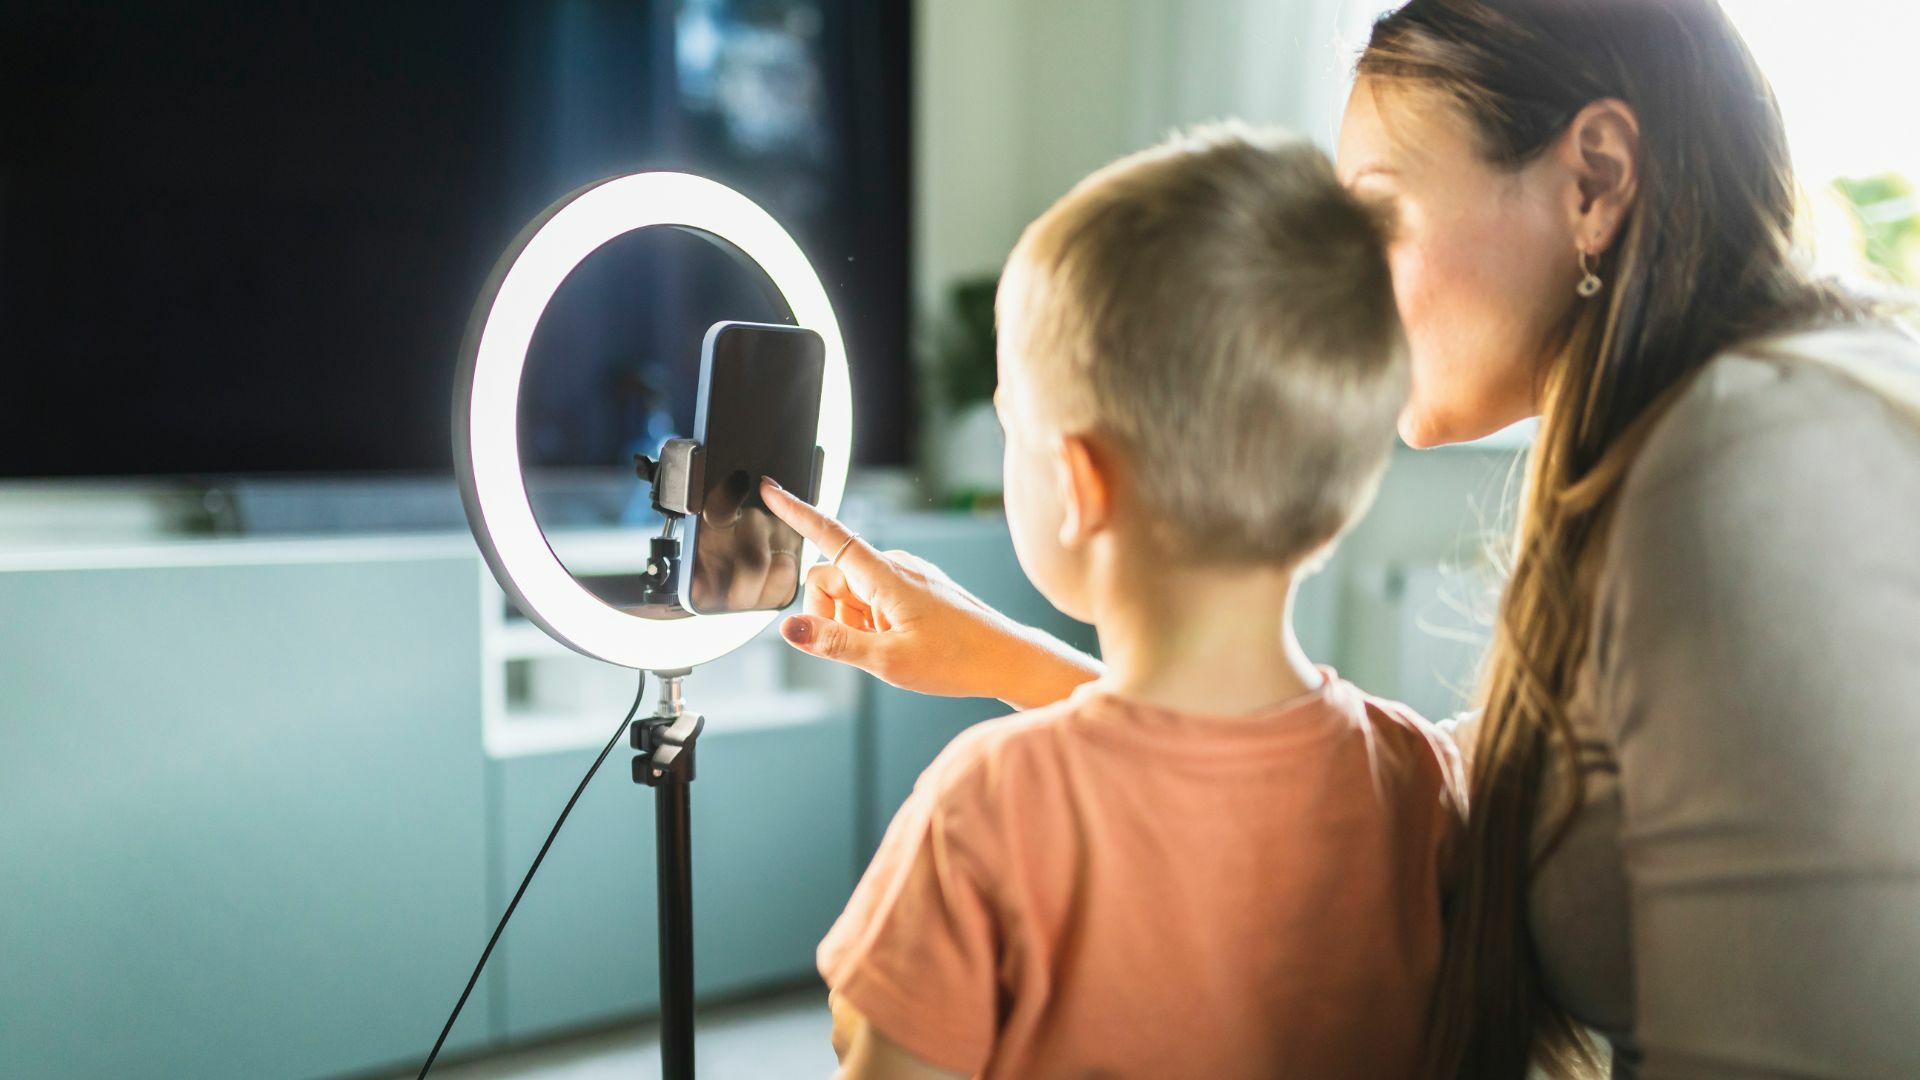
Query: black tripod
[(664, 762), (663, 758)]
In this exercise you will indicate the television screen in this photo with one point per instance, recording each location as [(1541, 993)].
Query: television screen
[(243, 238)]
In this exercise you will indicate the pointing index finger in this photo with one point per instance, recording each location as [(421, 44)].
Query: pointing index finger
[(859, 559)]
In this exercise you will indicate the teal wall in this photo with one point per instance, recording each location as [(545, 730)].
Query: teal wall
[(247, 828), (243, 809), (773, 861)]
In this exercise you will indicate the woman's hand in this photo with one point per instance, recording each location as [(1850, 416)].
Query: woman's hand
[(901, 619)]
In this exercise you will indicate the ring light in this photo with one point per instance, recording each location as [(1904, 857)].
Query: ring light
[(487, 399)]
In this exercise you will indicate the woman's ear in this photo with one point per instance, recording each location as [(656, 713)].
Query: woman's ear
[(1086, 489), (1602, 149)]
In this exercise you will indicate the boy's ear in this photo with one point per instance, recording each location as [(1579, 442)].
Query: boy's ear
[(1086, 489)]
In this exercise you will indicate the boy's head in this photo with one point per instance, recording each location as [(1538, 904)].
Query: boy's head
[(1199, 354)]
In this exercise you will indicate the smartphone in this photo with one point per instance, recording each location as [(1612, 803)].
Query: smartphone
[(757, 415)]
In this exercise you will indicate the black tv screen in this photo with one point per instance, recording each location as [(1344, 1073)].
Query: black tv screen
[(243, 238)]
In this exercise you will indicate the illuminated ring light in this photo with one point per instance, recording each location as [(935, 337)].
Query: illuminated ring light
[(487, 397)]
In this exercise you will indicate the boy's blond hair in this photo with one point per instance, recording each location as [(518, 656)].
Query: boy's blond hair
[(1220, 307)]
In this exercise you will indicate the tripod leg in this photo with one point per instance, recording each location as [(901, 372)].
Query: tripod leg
[(674, 854)]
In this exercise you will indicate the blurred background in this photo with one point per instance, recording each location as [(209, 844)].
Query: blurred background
[(277, 747)]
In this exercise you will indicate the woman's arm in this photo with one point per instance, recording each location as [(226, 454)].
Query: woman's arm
[(865, 1054), (903, 620), (1759, 663)]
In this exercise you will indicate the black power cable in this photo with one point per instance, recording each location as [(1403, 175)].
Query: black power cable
[(525, 881)]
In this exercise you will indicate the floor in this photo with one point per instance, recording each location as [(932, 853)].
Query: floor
[(784, 1034)]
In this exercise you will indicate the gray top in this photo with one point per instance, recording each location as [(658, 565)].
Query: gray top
[(1741, 892)]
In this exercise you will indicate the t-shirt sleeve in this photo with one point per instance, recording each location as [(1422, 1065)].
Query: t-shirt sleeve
[(1449, 792), (1450, 821), (916, 950), (1441, 780)]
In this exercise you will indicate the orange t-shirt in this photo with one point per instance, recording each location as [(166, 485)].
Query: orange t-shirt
[(1103, 888)]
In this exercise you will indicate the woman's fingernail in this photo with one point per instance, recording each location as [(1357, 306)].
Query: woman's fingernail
[(772, 483), (797, 630)]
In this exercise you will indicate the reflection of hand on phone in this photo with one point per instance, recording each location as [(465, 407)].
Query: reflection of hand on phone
[(726, 500), (747, 561)]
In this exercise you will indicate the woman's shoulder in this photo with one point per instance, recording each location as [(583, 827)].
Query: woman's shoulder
[(1768, 519), (1785, 408)]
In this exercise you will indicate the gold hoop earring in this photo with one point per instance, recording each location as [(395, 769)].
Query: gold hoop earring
[(1589, 286)]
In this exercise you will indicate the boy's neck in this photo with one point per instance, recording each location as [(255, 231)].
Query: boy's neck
[(1216, 640)]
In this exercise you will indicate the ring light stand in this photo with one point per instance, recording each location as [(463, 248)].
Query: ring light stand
[(493, 489)]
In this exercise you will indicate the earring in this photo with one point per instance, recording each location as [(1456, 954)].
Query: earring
[(1589, 286)]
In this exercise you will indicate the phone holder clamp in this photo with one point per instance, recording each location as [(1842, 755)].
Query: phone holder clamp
[(678, 477), (663, 742), (678, 481)]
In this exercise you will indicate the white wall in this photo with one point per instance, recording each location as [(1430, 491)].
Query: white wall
[(1019, 99)]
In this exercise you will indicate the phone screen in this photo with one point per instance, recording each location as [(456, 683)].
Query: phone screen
[(757, 414)]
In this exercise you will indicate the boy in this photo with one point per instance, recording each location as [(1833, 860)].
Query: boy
[(1217, 860)]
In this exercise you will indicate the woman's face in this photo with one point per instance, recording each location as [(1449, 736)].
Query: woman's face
[(1484, 260)]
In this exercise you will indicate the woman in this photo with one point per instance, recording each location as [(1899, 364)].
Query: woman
[(1694, 826)]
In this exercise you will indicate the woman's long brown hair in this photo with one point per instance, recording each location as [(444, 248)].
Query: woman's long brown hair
[(1705, 261)]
